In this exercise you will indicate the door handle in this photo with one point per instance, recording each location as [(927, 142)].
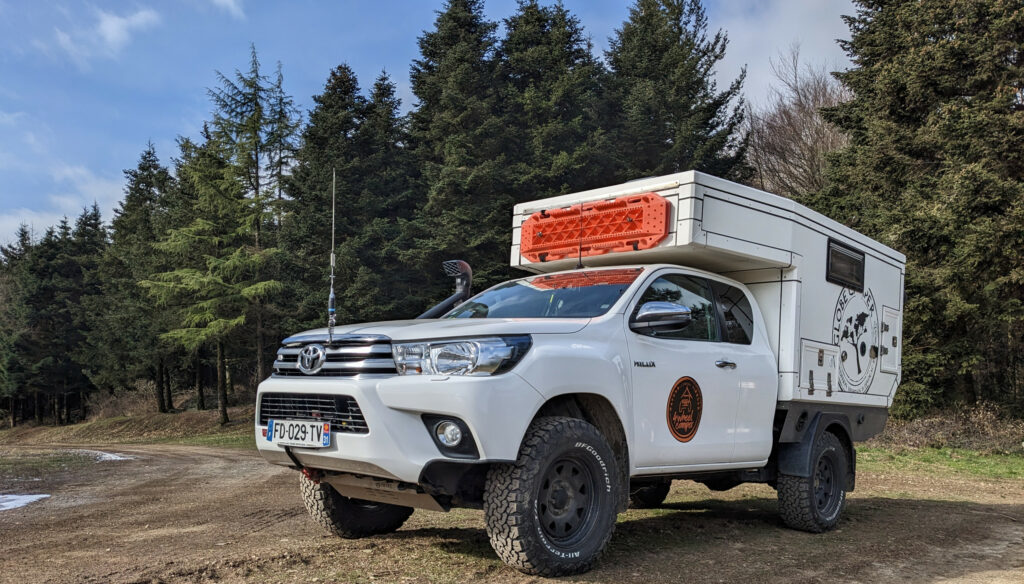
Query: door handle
[(723, 364)]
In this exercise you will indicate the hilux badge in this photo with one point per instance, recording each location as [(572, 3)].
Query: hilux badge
[(312, 358)]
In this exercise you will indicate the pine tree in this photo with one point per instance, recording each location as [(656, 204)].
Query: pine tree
[(328, 146), (458, 133), (89, 244), (254, 123), (219, 287), (13, 321), (672, 117), (935, 169), (53, 286), (122, 345), (376, 286), (554, 104)]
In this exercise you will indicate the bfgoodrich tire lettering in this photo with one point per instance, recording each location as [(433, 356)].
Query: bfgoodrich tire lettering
[(815, 503), (552, 511), (349, 518)]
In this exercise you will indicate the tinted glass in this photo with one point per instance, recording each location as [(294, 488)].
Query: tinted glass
[(582, 294), (845, 266), (737, 313), (688, 291)]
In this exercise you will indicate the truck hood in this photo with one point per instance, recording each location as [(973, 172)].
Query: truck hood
[(446, 328)]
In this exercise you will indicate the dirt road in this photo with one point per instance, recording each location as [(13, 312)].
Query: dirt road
[(195, 514)]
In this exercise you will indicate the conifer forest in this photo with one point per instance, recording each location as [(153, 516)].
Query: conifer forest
[(220, 249)]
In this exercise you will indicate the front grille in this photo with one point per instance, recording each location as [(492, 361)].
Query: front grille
[(347, 355), (341, 411)]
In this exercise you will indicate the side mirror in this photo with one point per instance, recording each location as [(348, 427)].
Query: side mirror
[(657, 315)]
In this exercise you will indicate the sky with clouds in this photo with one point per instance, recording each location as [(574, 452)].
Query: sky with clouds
[(84, 85)]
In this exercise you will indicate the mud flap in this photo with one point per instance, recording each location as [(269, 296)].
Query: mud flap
[(794, 458)]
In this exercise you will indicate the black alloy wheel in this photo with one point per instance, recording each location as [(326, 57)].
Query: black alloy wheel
[(565, 501)]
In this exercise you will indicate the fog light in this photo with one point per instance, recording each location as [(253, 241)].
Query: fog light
[(448, 433)]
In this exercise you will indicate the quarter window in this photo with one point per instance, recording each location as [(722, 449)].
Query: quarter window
[(737, 314), (688, 291)]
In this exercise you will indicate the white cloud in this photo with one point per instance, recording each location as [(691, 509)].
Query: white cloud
[(232, 7), (10, 118), (107, 37), (760, 30), (76, 188), (35, 143), (116, 30)]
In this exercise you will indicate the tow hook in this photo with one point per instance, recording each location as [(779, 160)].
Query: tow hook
[(310, 473)]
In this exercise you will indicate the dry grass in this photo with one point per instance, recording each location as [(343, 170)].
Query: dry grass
[(981, 429), (122, 402), (189, 427)]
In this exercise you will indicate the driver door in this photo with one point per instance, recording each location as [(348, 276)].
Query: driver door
[(684, 402)]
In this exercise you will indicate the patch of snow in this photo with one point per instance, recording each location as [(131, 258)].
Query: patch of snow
[(106, 456), (15, 501)]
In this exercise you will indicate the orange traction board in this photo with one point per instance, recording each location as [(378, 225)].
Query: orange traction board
[(629, 223)]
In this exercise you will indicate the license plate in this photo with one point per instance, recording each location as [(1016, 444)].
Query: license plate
[(293, 433)]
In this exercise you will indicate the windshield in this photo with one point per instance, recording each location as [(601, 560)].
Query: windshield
[(583, 294)]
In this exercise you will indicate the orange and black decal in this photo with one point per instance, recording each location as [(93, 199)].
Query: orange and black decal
[(685, 404)]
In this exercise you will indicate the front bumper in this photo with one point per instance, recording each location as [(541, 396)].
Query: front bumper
[(497, 410)]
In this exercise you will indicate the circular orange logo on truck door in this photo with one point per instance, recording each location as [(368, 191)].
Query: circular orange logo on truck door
[(685, 405)]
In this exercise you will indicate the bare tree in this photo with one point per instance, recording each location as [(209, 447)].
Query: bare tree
[(788, 137)]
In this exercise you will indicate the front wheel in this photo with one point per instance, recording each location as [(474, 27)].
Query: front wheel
[(553, 510), (347, 517), (815, 503)]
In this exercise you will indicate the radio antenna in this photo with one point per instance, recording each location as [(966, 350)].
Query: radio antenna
[(330, 299), (579, 255)]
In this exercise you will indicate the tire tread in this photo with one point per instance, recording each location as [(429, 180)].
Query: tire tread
[(509, 497)]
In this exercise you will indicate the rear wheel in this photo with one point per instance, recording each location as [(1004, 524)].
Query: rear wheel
[(648, 495), (815, 503), (346, 517), (552, 511)]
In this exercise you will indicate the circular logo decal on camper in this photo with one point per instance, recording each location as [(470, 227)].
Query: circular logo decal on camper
[(685, 405), (855, 332)]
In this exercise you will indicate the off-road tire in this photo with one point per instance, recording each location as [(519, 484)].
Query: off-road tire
[(346, 517), (649, 495), (815, 503), (552, 511)]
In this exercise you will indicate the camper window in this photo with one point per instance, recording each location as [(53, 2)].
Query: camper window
[(845, 266)]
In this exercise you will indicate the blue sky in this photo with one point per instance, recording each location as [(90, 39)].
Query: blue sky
[(84, 85)]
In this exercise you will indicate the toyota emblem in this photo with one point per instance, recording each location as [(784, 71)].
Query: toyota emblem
[(312, 358)]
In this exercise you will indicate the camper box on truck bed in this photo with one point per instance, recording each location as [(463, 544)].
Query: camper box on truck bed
[(717, 334), (832, 298)]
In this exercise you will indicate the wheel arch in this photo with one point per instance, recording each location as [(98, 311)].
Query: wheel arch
[(597, 410), (794, 458)]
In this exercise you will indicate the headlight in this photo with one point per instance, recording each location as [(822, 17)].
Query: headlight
[(488, 356)]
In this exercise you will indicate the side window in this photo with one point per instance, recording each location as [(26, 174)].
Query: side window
[(845, 266), (737, 313), (688, 291)]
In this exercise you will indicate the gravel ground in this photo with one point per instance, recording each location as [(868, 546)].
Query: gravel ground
[(197, 514)]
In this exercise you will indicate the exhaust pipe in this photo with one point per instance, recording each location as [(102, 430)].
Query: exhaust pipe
[(463, 275)]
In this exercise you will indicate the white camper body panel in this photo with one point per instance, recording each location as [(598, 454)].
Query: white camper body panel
[(834, 343)]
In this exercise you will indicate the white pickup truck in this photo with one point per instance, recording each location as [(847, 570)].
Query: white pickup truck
[(717, 333)]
